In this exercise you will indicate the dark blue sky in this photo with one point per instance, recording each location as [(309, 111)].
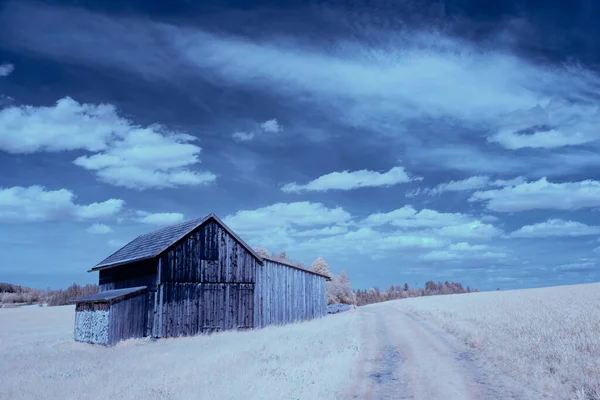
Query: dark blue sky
[(401, 141)]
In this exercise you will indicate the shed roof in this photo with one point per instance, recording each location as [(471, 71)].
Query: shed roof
[(287, 264), (109, 295), (152, 244)]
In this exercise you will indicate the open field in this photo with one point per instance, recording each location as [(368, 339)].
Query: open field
[(525, 344), (548, 338), (40, 360)]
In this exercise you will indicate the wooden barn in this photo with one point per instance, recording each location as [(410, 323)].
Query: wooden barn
[(194, 277)]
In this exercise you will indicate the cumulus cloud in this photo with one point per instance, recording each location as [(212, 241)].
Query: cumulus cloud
[(162, 219), (408, 217), (36, 204), (541, 194), (243, 136), (288, 215), (99, 229), (125, 154), (555, 228), (347, 180), (271, 126), (299, 227), (6, 69)]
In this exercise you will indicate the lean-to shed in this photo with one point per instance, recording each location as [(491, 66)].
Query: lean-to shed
[(197, 276), (110, 316)]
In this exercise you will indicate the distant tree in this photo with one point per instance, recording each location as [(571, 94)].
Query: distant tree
[(300, 264), (320, 266), (339, 290), (283, 255), (406, 287), (262, 252)]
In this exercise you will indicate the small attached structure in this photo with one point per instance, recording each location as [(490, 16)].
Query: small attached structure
[(109, 316), (191, 278)]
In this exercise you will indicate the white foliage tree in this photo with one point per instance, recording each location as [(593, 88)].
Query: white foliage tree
[(320, 266), (262, 252)]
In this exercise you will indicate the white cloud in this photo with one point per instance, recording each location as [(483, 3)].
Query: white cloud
[(541, 194), (463, 251), (346, 180), (471, 183), (286, 215), (408, 217), (475, 230), (327, 231), (6, 69), (99, 229), (393, 76), (36, 204), (125, 154), (162, 219), (579, 266), (271, 126), (243, 136), (555, 228), (574, 125)]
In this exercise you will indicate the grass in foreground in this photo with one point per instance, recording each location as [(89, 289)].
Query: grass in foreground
[(311, 360), (548, 336)]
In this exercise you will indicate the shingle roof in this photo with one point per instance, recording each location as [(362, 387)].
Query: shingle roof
[(152, 244), (108, 295)]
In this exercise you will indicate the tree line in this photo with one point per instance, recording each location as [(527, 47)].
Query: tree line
[(13, 295), (374, 295)]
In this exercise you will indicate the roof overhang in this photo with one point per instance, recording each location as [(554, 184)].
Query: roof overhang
[(110, 295), (123, 262)]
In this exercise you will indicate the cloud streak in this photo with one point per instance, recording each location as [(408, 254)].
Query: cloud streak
[(398, 77), (350, 180)]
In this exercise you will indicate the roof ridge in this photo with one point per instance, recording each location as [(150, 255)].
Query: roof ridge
[(152, 244)]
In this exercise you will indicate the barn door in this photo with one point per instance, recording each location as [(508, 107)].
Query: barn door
[(227, 306)]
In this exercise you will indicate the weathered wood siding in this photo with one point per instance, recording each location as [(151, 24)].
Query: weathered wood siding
[(186, 309), (209, 255), (283, 295), (206, 284), (141, 273), (127, 318)]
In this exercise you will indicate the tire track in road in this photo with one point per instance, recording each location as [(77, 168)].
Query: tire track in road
[(406, 357)]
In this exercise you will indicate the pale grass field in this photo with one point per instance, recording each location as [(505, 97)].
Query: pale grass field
[(548, 337), (40, 360)]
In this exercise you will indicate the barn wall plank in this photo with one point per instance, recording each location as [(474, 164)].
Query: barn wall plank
[(283, 295)]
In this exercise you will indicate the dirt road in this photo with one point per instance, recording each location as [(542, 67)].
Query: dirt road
[(408, 358)]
